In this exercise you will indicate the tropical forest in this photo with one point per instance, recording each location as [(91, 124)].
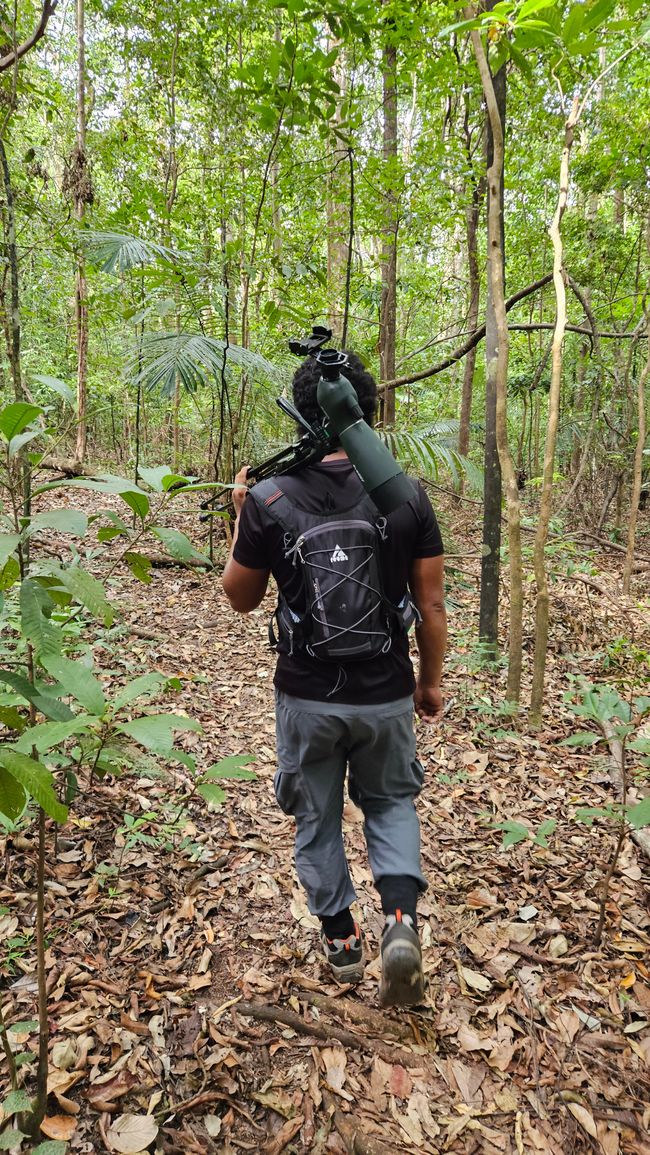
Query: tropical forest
[(459, 193)]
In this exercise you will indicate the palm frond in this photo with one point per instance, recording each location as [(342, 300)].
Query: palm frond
[(191, 358), (427, 454), (120, 252)]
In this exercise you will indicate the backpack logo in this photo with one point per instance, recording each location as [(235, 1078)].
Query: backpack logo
[(338, 555)]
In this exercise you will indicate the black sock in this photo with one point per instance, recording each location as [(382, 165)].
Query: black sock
[(340, 925), (399, 892)]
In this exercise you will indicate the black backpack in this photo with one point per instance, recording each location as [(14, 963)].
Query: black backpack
[(347, 615)]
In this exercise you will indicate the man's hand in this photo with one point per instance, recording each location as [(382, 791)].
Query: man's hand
[(429, 703), (240, 491)]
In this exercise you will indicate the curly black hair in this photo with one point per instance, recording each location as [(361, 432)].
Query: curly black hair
[(305, 383)]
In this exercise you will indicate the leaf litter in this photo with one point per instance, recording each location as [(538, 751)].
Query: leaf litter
[(530, 1039)]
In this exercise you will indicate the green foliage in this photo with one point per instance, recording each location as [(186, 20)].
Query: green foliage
[(231, 767)]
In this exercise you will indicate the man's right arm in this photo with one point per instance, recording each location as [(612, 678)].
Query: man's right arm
[(426, 582)]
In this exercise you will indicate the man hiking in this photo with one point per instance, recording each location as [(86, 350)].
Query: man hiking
[(344, 685)]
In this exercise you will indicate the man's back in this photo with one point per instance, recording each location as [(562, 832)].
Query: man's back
[(409, 533)]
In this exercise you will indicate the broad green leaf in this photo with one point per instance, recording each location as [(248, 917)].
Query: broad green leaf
[(22, 439), (138, 501), (8, 543), (156, 731), (16, 417), (78, 681), (530, 6), (231, 767), (639, 815), (156, 476), (179, 546), (51, 1147), (12, 795), (49, 734), (58, 386), (543, 831), (46, 703), (212, 794), (145, 684), (513, 832), (103, 483), (35, 609), (582, 739), (85, 589), (139, 566), (9, 573), (642, 705), (16, 1101), (108, 532), (36, 779), (11, 717), (587, 814), (71, 521), (11, 1140)]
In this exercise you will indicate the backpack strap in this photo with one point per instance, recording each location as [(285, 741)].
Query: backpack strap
[(274, 501)]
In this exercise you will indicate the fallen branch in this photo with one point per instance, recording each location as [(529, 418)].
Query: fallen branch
[(376, 1023), (326, 1032)]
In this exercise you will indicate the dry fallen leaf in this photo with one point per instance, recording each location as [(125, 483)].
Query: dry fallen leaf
[(130, 1134), (585, 1118), (59, 1127), (475, 980)]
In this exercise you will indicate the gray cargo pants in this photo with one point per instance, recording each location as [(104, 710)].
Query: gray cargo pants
[(316, 742)]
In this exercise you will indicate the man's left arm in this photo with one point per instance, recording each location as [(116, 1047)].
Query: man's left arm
[(244, 587)]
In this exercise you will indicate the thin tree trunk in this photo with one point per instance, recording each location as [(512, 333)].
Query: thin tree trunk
[(13, 328), (492, 482), (638, 467), (472, 216), (337, 209), (388, 308), (497, 367), (546, 497), (82, 195)]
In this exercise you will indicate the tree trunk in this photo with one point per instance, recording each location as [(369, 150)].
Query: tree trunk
[(472, 216), (638, 467), (13, 328), (492, 486), (82, 196), (497, 366), (337, 204), (388, 308), (539, 561)]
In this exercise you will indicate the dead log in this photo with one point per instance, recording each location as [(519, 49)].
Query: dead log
[(326, 1032), (374, 1021)]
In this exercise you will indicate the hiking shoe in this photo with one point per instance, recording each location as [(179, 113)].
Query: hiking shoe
[(402, 979), (345, 956)]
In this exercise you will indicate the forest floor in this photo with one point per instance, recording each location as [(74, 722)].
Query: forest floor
[(190, 1008)]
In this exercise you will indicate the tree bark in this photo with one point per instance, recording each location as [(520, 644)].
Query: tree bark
[(497, 364), (472, 215), (492, 482), (388, 308), (638, 467), (546, 497), (81, 178), (337, 209), (13, 329)]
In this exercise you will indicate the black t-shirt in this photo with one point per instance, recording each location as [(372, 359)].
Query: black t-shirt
[(330, 487)]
